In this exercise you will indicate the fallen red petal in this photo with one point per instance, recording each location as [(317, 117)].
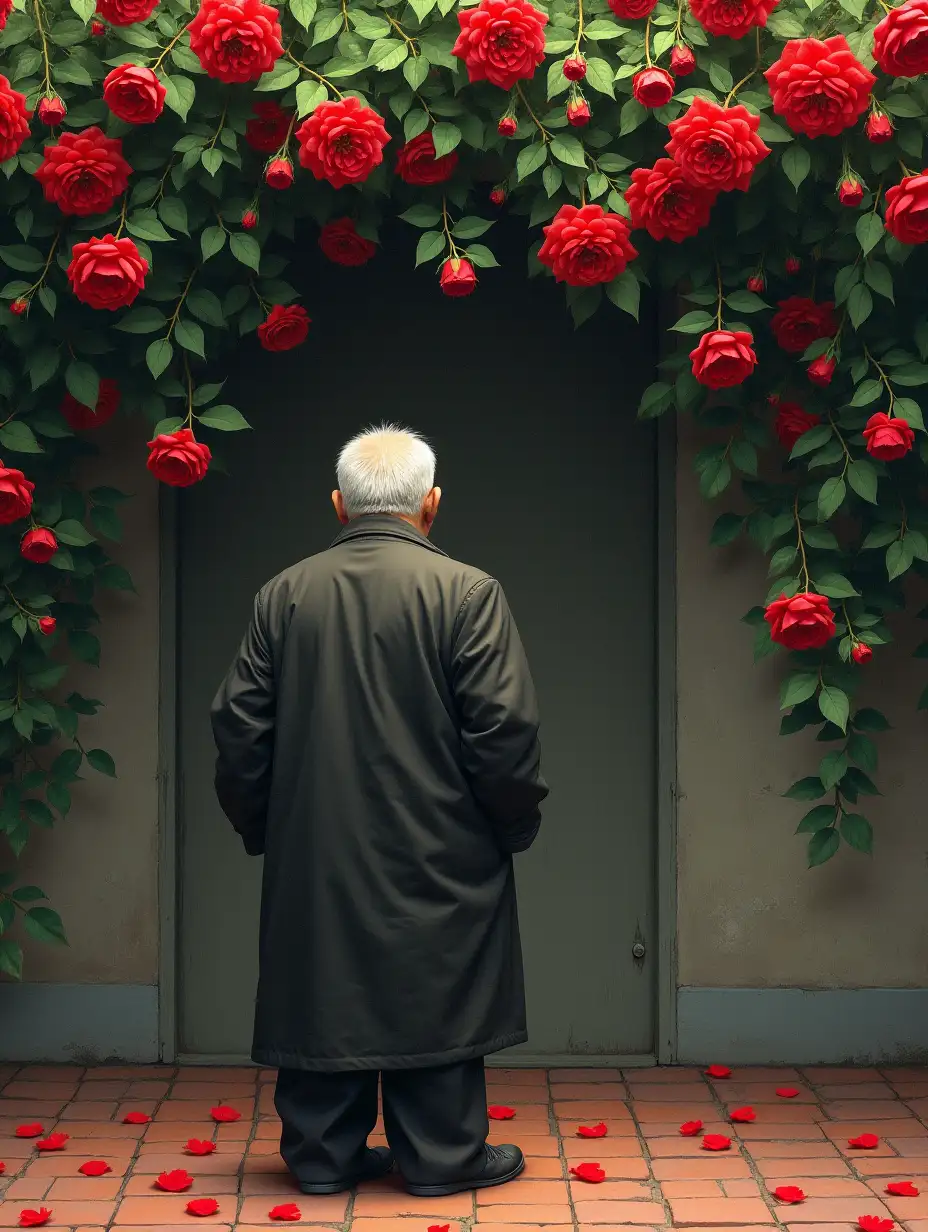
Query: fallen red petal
[(499, 1112), (593, 1131), (175, 1181), (865, 1142), (33, 1130), (54, 1142), (199, 1146), (592, 1173), (2, 1167), (224, 1113), (789, 1193), (34, 1219), (689, 1129), (716, 1142), (873, 1223), (94, 1167), (741, 1115), (902, 1189), (202, 1206), (787, 1092), (289, 1211), (718, 1071), (136, 1118), (440, 1227)]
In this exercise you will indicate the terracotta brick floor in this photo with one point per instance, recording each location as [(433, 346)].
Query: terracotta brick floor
[(655, 1178)]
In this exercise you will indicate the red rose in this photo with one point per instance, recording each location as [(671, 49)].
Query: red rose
[(888, 439), (285, 328), (632, 10), (798, 322), (574, 68), (756, 283), (47, 625), (586, 245), (793, 421), (682, 60), (907, 209), (819, 89), (178, 459), (501, 41), (416, 162), (578, 112), (340, 242), (38, 545), (249, 220), (879, 127), (457, 278), (716, 148), (342, 142), (107, 273), (850, 192), (267, 131), (51, 110), (900, 41), (279, 173), (821, 370), (83, 173), (802, 622), (731, 17), (235, 40), (861, 653), (722, 358), (134, 94), (665, 203), (14, 120), (15, 503), (652, 87), (126, 12), (19, 306), (175, 1181), (507, 126)]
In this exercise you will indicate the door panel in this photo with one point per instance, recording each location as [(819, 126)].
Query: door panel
[(549, 484)]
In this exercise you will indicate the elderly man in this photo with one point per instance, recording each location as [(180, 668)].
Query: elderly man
[(378, 745)]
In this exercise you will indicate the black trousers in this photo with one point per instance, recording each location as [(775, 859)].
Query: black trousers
[(435, 1120)]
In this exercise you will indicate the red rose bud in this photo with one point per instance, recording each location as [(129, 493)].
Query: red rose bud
[(97, 29), (653, 87), (498, 195), (51, 111), (821, 370), (47, 625), (861, 653), (457, 279), (279, 173), (756, 283), (507, 126), (888, 439), (793, 265), (682, 60), (801, 622), (575, 68), (249, 220), (879, 127), (850, 192), (19, 306), (578, 112), (38, 545)]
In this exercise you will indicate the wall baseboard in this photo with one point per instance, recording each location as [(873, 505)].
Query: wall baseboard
[(83, 1024), (793, 1026)]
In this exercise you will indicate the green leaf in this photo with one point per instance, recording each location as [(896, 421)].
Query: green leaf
[(880, 279), (568, 150), (720, 77), (309, 94), (446, 138), (212, 240), (862, 477), (857, 832), (28, 894), (899, 558), (822, 846), (144, 225), (695, 322), (282, 75), (211, 160), (832, 769), (625, 292), (421, 215), (304, 11), (19, 437), (43, 924), (796, 164), (158, 356), (811, 440), (871, 720), (142, 321), (835, 586), (599, 76), (818, 818), (862, 750), (869, 231), (83, 382), (834, 705), (415, 71), (368, 26), (831, 497), (431, 244), (189, 335), (73, 533), (173, 213), (469, 228), (859, 305), (529, 159), (806, 789), (745, 301), (480, 255), (632, 116), (205, 306), (102, 762), (388, 55), (797, 688), (224, 418), (727, 528), (21, 257), (179, 93), (245, 248), (11, 958)]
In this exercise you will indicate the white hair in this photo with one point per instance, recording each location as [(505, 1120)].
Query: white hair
[(385, 469)]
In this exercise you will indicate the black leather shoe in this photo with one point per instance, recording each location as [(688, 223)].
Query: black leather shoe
[(502, 1164), (377, 1163)]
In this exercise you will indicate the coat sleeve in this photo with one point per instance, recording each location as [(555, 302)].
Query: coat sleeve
[(243, 717), (498, 713)]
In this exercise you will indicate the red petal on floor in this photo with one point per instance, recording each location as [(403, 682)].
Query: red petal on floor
[(2, 1167), (903, 1189), (592, 1173), (199, 1146), (689, 1129), (743, 1115), (873, 1223), (499, 1112), (136, 1118), (223, 1113), (718, 1071), (54, 1142), (94, 1167), (440, 1227), (33, 1130), (716, 1142), (175, 1181), (789, 1193), (34, 1219), (593, 1131), (865, 1142), (202, 1206), (787, 1092), (288, 1211)]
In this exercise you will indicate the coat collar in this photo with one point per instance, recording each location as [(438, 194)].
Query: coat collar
[(383, 526)]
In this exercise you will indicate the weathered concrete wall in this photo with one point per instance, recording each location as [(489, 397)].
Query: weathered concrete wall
[(750, 912), (99, 867)]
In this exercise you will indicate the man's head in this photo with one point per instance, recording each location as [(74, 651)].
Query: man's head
[(387, 470)]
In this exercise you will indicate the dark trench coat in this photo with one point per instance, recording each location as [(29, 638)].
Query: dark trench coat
[(378, 743)]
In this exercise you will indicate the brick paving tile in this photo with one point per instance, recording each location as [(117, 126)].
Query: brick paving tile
[(67, 1164), (822, 1227), (202, 1187), (390, 1225), (585, 1075), (582, 1191), (705, 1110), (823, 1074), (458, 1206), (650, 1213), (69, 1188), (30, 1109), (855, 1090), (907, 1208), (669, 1092), (780, 1168), (836, 1210), (717, 1212), (735, 1093), (894, 1167), (313, 1210), (758, 1131), (170, 1209), (64, 1214), (522, 1191), (801, 1150), (709, 1167), (784, 1112), (876, 1109), (824, 1186), (29, 1188), (555, 1213), (525, 1227)]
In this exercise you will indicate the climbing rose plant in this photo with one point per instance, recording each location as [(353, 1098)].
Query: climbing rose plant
[(161, 163)]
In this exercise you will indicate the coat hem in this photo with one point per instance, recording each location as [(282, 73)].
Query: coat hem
[(422, 1060)]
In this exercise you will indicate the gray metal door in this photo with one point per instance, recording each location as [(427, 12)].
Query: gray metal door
[(549, 484)]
